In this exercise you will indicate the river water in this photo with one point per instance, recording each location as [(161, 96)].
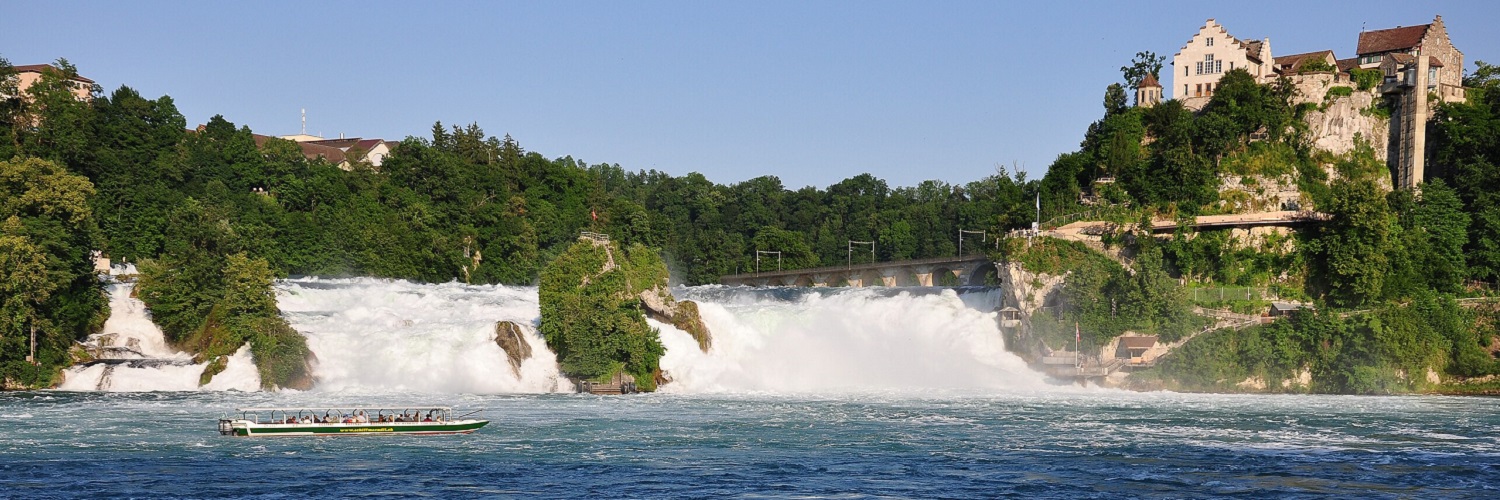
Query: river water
[(857, 393)]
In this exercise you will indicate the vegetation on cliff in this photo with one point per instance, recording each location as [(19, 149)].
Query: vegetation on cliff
[(47, 283), (592, 312), (212, 305)]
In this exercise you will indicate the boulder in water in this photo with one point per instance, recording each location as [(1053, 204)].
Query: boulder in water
[(511, 339), (661, 306)]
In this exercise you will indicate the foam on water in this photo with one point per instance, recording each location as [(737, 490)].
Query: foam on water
[(852, 340), (159, 367), (375, 335), (384, 336)]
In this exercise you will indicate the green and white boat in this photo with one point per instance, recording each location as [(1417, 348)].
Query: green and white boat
[(417, 420)]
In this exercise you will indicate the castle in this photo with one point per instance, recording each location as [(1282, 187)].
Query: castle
[(1416, 64)]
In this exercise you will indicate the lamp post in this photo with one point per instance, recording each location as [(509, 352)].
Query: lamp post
[(757, 258), (961, 232), (849, 261)]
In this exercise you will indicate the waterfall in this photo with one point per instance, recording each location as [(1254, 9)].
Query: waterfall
[(382, 335), (133, 355), (845, 340), (389, 336)]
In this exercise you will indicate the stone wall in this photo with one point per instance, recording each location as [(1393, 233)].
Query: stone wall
[(1313, 87), (1437, 44)]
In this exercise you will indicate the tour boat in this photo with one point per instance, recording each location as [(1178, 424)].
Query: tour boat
[(417, 420)]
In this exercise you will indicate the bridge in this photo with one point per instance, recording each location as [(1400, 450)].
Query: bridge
[(939, 271), (1256, 219)]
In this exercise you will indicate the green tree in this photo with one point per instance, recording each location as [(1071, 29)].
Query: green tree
[(46, 233), (1144, 63), (1115, 101), (1351, 250)]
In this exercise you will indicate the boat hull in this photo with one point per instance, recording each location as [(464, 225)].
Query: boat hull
[(249, 429)]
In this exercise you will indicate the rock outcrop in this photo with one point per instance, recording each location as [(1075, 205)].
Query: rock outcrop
[(593, 303), (661, 306), (512, 339), (1334, 128)]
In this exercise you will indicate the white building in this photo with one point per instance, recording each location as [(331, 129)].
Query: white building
[(1198, 65)]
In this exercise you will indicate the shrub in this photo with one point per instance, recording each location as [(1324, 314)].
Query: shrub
[(1366, 79)]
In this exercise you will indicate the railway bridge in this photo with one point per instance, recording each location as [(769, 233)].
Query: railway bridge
[(939, 271)]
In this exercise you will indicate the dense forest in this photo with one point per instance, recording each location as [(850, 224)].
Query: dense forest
[(206, 210)]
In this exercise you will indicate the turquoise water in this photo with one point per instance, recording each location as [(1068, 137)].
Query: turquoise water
[(1074, 444)]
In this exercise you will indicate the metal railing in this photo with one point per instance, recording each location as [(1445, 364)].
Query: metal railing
[(1225, 293)]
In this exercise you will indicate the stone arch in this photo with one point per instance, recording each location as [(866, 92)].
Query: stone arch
[(775, 281), (904, 276), (870, 277), (944, 276), (985, 274), (803, 280)]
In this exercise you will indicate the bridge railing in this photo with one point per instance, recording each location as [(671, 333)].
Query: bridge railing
[(1227, 293), (862, 267)]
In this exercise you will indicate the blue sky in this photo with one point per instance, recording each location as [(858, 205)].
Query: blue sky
[(811, 92)]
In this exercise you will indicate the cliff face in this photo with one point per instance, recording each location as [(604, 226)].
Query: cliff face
[(1029, 291), (1335, 127)]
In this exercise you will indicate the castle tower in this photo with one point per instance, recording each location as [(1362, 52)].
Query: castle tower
[(1148, 94)]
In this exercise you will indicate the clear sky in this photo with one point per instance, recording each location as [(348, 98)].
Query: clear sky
[(811, 92)]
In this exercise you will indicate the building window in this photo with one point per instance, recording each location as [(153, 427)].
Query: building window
[(1185, 73), (1231, 65), (1200, 67), (1208, 89), (1184, 90), (1198, 90), (1209, 42), (1219, 66)]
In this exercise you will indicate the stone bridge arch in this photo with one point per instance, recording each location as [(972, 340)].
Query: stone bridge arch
[(946, 276), (985, 274)]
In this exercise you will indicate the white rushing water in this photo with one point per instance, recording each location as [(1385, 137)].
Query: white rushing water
[(375, 335), (384, 336), (849, 340), (139, 358)]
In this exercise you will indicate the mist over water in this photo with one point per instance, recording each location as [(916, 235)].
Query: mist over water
[(387, 336), (845, 340), (375, 335)]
